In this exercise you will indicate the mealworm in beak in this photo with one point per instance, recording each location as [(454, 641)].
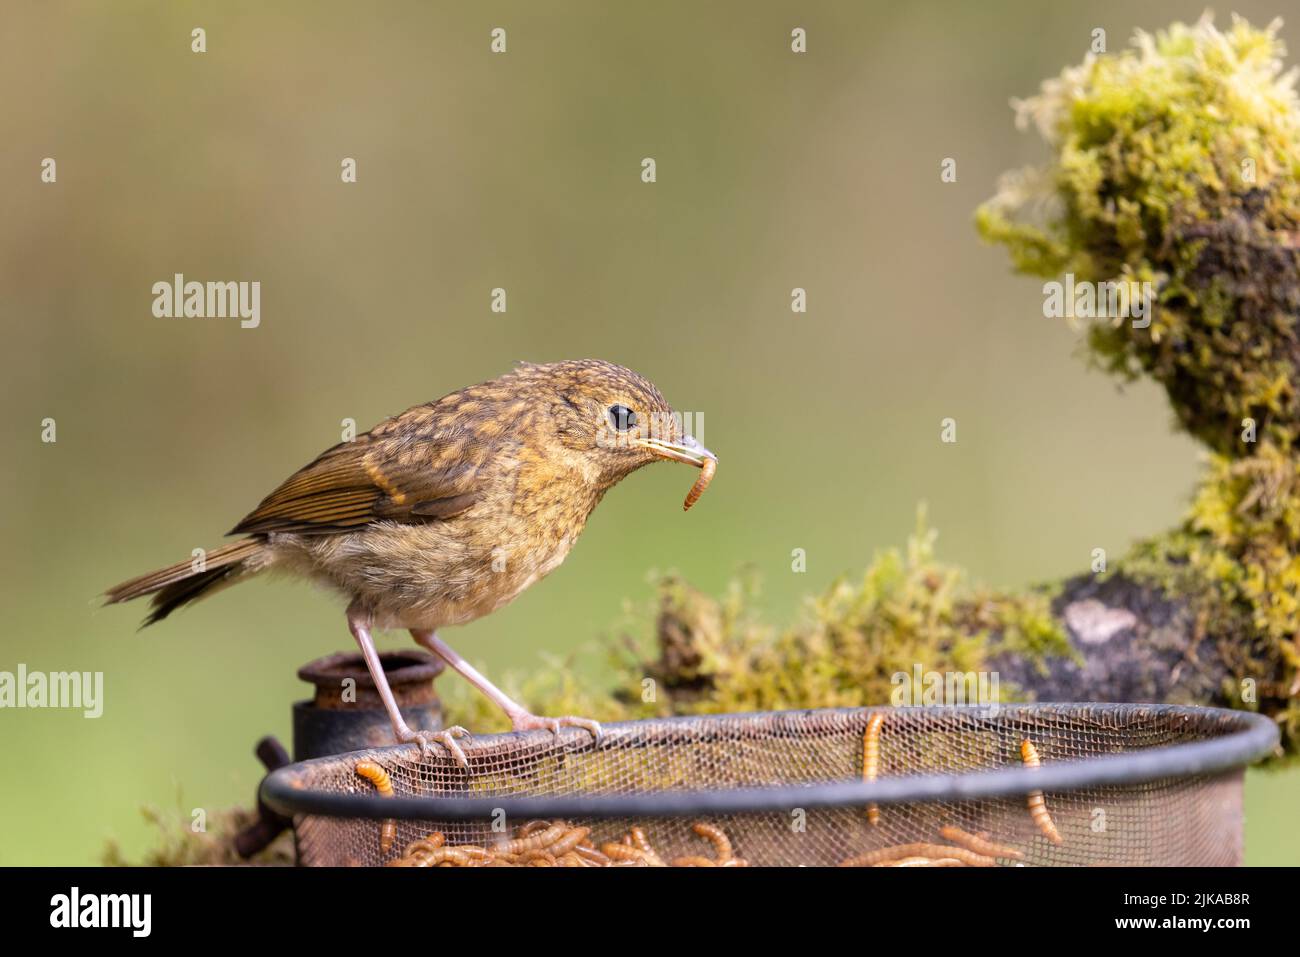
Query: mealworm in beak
[(706, 476)]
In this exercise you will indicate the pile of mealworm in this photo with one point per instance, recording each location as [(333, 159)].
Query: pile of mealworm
[(543, 844), (963, 850), (560, 844)]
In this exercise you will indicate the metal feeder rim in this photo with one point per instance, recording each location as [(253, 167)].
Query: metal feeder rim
[(1255, 736)]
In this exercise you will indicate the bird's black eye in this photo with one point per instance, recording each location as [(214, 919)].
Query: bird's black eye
[(621, 417)]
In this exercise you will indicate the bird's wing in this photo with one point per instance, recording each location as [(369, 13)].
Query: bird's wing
[(392, 475)]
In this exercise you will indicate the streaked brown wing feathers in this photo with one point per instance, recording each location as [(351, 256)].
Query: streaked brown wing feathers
[(371, 479)]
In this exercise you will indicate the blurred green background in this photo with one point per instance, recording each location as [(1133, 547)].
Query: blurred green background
[(520, 171)]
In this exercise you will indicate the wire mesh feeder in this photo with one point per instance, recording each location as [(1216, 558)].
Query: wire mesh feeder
[(1117, 785)]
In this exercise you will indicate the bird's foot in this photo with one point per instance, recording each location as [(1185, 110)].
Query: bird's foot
[(524, 721), (446, 737)]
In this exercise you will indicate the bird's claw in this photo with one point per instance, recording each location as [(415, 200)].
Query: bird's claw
[(532, 722), (425, 740)]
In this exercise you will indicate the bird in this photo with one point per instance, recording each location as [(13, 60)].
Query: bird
[(448, 511)]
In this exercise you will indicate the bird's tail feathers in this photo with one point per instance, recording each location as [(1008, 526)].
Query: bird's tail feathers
[(188, 581)]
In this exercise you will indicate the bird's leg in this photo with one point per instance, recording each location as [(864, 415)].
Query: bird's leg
[(521, 719), (359, 625)]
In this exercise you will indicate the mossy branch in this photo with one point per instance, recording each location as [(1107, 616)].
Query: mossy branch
[(1178, 163)]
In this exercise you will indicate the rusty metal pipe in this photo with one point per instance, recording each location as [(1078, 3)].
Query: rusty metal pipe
[(346, 713)]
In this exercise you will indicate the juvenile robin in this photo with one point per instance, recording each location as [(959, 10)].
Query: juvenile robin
[(444, 513)]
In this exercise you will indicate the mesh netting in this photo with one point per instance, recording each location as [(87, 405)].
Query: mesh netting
[(1117, 785)]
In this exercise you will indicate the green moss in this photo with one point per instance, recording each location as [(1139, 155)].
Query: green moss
[(552, 688), (1241, 544), (1234, 564), (716, 654), (178, 845), (905, 609), (1176, 163)]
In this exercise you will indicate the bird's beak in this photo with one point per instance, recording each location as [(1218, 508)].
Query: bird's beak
[(688, 450)]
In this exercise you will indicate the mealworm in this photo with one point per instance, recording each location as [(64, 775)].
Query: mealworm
[(717, 837), (694, 862), (533, 842), (533, 827), (706, 476), (871, 760), (624, 854), (1037, 803), (462, 855), (931, 851), (639, 840), (589, 853), (568, 842), (387, 835), (637, 834), (377, 776), (424, 845), (978, 844), (922, 862), (452, 856)]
